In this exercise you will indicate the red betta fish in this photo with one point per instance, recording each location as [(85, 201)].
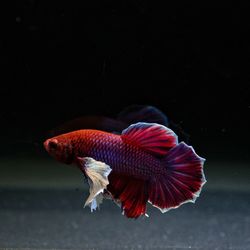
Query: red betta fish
[(143, 164)]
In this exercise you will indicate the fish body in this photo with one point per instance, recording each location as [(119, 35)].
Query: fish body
[(124, 157), (144, 163)]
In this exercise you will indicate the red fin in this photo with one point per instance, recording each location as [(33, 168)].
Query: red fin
[(131, 193), (183, 181), (151, 137)]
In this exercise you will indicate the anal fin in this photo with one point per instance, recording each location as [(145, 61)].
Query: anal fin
[(130, 192)]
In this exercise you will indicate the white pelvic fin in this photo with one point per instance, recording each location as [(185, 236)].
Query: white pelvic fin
[(97, 173), (95, 203)]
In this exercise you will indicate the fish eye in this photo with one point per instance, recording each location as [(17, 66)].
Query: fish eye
[(52, 144)]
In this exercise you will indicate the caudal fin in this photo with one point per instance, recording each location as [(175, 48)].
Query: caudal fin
[(180, 180), (183, 181)]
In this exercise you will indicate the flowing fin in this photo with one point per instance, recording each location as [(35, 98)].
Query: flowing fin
[(142, 113), (97, 174), (151, 137), (183, 181), (130, 192)]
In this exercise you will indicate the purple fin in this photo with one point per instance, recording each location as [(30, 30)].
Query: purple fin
[(183, 181)]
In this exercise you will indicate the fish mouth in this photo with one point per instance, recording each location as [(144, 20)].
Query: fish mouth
[(46, 144), (50, 144)]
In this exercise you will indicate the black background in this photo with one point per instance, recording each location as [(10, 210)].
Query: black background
[(64, 59)]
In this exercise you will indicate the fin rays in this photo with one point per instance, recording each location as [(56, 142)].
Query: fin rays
[(97, 173)]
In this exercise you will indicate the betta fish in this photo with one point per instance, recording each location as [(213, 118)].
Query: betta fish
[(145, 163)]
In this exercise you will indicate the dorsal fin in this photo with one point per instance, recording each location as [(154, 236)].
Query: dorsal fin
[(151, 137)]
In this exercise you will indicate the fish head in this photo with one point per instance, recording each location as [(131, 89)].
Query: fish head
[(60, 148)]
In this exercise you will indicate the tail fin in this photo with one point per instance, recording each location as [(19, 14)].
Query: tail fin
[(183, 181)]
